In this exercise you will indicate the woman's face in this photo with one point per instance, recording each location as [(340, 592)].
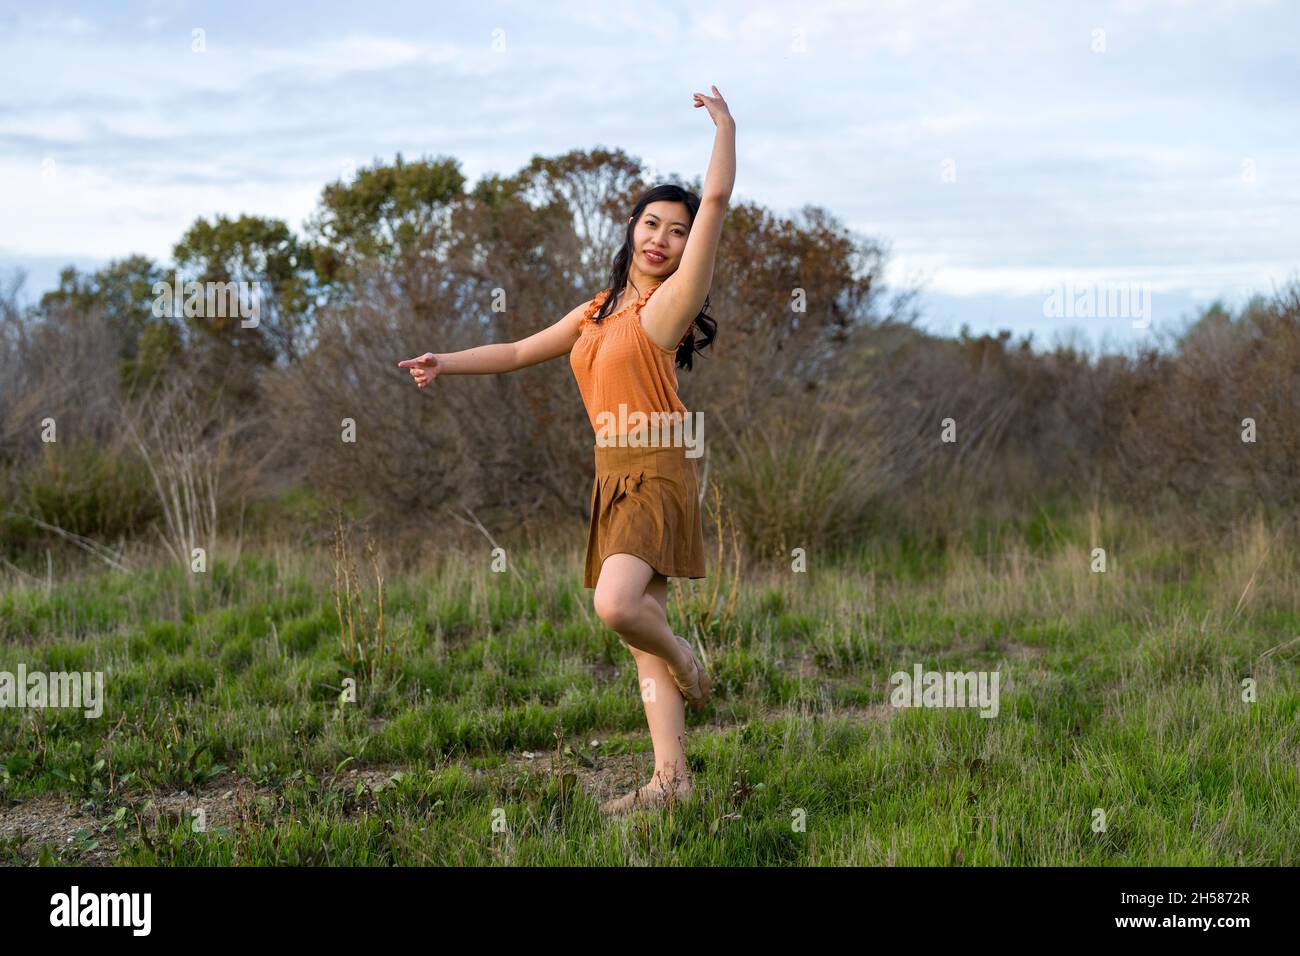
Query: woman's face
[(660, 237)]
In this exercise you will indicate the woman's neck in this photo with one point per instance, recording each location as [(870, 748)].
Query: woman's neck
[(637, 286)]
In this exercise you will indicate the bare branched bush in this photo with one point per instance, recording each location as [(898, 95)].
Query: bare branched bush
[(187, 445), (55, 369), (1182, 429)]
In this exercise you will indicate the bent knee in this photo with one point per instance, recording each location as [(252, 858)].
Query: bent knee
[(617, 611)]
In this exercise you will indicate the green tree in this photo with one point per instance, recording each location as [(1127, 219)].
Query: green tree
[(395, 217), (263, 253)]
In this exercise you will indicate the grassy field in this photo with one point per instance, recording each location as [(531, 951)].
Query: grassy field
[(501, 711)]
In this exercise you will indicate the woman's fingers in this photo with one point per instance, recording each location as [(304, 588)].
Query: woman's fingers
[(422, 362), (418, 373), (422, 377), (714, 104)]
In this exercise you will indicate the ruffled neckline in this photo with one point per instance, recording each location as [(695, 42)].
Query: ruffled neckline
[(603, 294)]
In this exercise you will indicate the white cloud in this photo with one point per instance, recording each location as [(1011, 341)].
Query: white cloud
[(58, 24), (358, 53)]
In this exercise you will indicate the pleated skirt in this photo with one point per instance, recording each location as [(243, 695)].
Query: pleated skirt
[(646, 502)]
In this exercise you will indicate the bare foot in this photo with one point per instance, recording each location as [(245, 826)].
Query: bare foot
[(653, 795)]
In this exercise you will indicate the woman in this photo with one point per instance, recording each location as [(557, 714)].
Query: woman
[(645, 519)]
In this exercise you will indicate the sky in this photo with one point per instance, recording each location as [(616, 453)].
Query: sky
[(1018, 159)]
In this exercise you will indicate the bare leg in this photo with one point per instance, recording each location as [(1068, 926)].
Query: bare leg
[(624, 601), (631, 598)]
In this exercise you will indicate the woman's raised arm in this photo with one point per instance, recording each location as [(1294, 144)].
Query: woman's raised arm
[(667, 316)]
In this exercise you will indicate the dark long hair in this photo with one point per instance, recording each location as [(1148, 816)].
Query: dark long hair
[(704, 323)]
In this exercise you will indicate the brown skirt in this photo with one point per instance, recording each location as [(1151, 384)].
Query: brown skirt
[(645, 501)]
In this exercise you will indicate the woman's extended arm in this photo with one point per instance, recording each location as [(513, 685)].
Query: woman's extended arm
[(551, 342), (675, 306), (721, 176)]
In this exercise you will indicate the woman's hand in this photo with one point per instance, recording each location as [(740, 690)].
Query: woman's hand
[(716, 106), (423, 369)]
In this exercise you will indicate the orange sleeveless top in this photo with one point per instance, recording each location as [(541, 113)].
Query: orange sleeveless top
[(615, 363)]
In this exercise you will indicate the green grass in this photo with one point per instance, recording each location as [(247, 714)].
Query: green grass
[(1121, 694)]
